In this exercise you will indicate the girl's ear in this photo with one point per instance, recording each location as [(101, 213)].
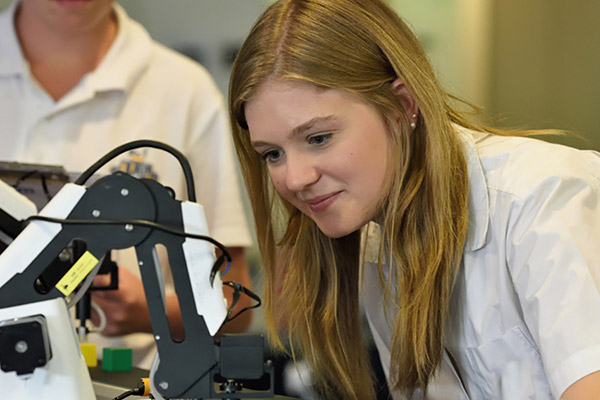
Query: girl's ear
[(407, 100)]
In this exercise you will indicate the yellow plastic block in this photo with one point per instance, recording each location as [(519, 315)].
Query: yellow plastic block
[(89, 353)]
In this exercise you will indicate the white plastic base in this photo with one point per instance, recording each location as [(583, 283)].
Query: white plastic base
[(65, 376)]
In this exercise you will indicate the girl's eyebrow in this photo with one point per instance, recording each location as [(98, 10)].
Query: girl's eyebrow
[(309, 124), (301, 128)]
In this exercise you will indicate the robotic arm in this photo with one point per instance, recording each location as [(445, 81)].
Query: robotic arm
[(39, 351)]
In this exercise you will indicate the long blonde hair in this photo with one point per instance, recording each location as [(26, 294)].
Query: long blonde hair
[(311, 281)]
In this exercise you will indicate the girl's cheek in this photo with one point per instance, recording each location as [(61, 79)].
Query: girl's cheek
[(278, 186)]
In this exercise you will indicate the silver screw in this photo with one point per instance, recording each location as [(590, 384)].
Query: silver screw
[(164, 385), (124, 192), (157, 337), (128, 227), (21, 346), (96, 213), (141, 263)]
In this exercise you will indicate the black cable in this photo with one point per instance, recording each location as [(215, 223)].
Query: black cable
[(236, 296), (139, 390), (126, 394), (45, 187), (144, 223), (138, 222), (185, 165), (216, 268), (27, 175), (22, 178), (135, 222)]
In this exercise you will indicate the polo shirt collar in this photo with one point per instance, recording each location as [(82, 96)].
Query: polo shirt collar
[(12, 61), (126, 59), (123, 64), (479, 205)]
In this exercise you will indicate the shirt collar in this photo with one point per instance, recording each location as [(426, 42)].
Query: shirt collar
[(126, 59), (479, 206), (12, 61), (121, 67)]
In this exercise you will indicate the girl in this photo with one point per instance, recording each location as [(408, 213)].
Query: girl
[(486, 280)]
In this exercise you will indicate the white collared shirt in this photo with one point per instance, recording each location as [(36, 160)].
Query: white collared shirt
[(140, 90), (525, 315)]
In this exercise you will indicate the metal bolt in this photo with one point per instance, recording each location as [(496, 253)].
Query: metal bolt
[(124, 192), (82, 331), (157, 337), (64, 255), (141, 263), (128, 227), (96, 213), (164, 385), (21, 346)]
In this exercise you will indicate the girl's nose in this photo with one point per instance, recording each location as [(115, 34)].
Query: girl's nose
[(300, 173)]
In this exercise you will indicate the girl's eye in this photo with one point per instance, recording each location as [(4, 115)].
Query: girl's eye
[(319, 139), (271, 156)]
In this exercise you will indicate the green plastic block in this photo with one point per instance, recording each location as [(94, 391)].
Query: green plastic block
[(116, 359)]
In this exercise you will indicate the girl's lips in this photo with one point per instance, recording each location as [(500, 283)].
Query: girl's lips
[(322, 203), (73, 3)]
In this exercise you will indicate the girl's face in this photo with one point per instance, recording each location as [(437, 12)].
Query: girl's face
[(327, 151)]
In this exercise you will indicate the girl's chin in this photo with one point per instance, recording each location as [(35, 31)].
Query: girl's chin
[(335, 232)]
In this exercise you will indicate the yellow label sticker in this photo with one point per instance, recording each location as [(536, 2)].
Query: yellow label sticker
[(77, 273)]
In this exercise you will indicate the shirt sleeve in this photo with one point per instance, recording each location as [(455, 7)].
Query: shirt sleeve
[(553, 253)]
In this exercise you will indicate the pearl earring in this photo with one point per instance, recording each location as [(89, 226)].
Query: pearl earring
[(413, 124)]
